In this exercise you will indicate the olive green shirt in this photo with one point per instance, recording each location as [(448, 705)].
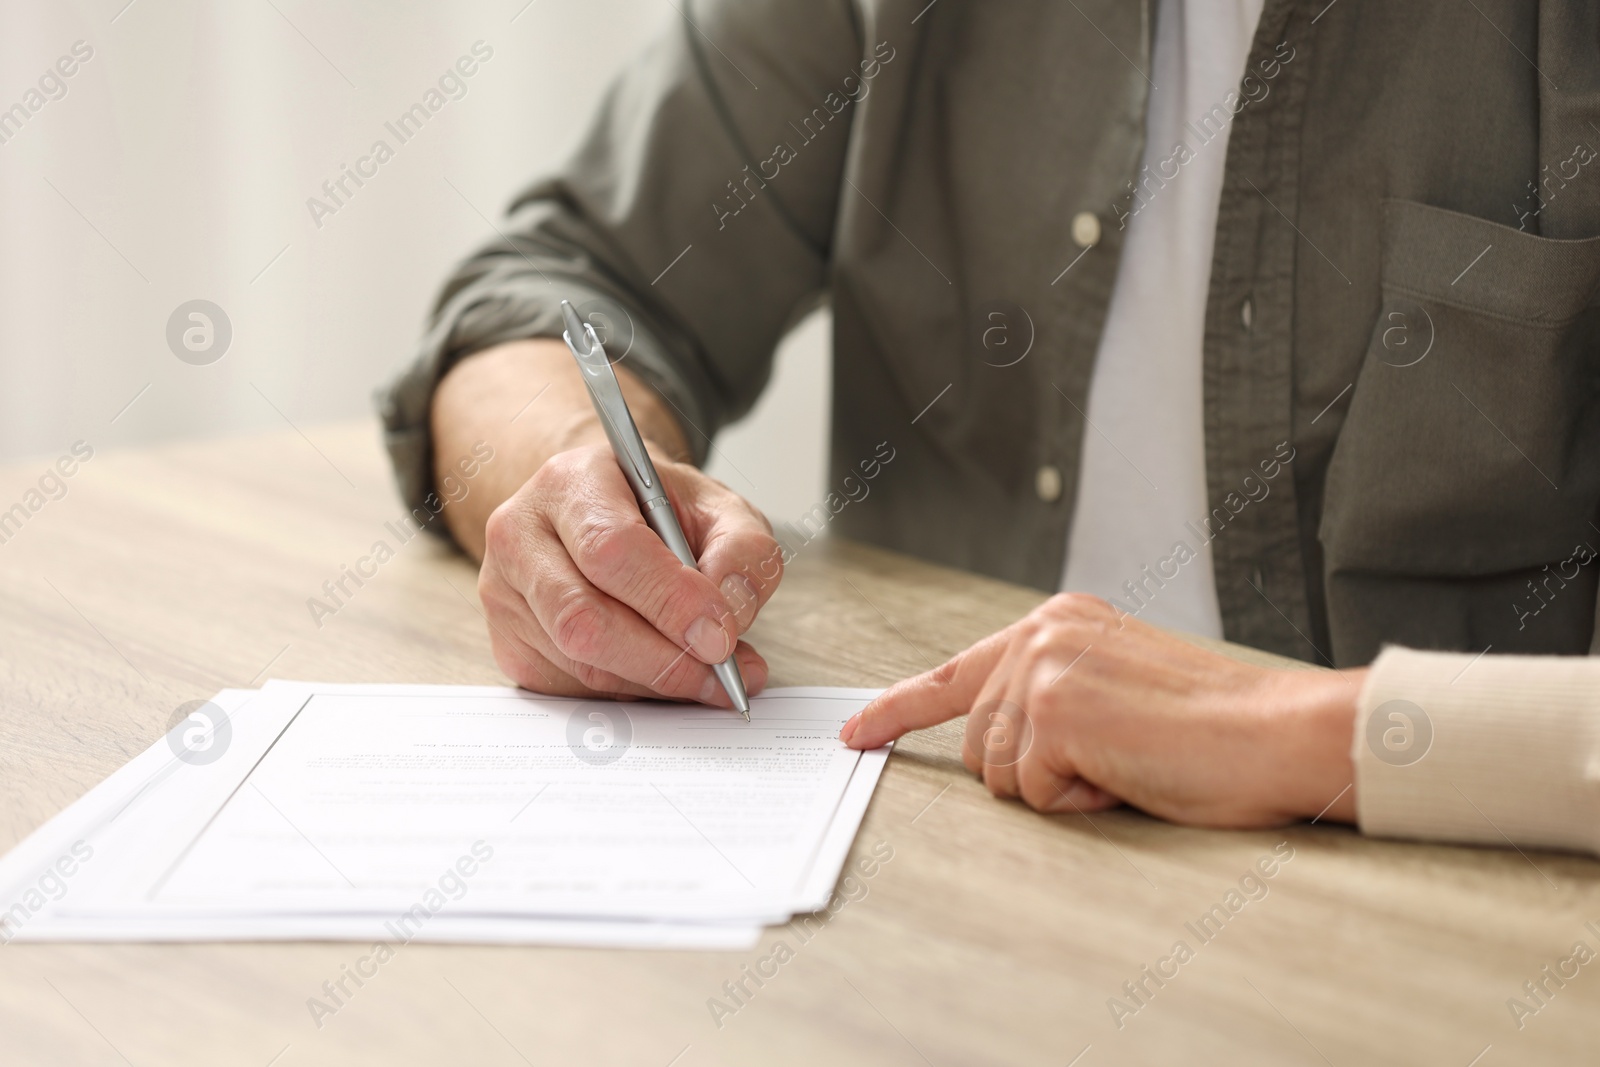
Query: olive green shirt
[(1402, 294)]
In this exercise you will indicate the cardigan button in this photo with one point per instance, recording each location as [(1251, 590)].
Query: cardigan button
[(1047, 483), (1086, 229)]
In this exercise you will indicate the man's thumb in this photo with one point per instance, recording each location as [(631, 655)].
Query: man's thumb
[(926, 699)]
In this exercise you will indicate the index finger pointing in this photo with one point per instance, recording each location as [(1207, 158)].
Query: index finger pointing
[(926, 699)]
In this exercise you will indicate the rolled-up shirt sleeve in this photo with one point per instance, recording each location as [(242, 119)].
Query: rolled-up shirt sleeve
[(1491, 750), (677, 214)]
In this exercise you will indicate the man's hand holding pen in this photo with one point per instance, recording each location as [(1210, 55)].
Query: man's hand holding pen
[(584, 599)]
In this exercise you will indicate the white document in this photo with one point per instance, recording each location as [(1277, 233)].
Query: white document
[(448, 813)]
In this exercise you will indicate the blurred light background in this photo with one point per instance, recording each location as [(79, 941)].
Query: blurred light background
[(177, 166)]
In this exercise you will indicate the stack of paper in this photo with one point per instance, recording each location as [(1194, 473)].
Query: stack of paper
[(451, 813)]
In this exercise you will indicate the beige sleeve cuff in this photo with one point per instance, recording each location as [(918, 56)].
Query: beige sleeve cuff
[(1490, 750)]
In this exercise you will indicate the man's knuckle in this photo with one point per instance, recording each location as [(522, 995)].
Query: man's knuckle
[(1042, 644), (744, 517), (667, 597), (1057, 606), (488, 583), (497, 609), (559, 470), (944, 675), (578, 628), (750, 542), (684, 597), (600, 546), (501, 532), (766, 548)]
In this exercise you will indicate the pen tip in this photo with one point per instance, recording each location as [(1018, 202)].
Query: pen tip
[(727, 673), (574, 324)]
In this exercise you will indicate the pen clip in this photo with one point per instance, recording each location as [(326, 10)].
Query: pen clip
[(606, 393)]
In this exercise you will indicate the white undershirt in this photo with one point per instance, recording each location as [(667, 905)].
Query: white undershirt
[(1143, 476)]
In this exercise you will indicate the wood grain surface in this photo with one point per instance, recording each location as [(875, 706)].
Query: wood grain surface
[(992, 936)]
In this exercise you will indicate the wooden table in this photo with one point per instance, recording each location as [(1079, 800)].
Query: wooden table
[(993, 936)]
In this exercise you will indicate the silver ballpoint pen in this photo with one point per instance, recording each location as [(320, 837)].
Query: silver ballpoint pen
[(606, 395)]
